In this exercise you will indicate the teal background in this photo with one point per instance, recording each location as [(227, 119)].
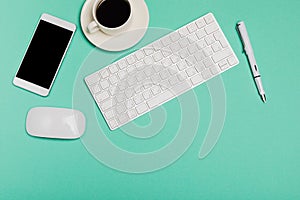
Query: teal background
[(257, 156)]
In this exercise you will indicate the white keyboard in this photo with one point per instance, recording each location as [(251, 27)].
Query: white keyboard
[(160, 71)]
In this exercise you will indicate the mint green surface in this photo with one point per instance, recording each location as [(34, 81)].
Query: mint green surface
[(257, 156)]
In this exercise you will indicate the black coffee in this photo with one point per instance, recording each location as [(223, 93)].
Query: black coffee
[(113, 13)]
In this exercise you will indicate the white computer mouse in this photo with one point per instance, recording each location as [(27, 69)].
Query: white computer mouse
[(60, 123)]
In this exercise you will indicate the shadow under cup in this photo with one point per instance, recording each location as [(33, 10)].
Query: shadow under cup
[(113, 13)]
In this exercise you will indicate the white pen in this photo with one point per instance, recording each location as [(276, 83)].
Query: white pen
[(250, 54)]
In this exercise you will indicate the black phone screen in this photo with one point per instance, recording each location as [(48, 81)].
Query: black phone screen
[(44, 54)]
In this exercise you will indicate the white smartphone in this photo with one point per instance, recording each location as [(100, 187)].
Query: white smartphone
[(44, 54)]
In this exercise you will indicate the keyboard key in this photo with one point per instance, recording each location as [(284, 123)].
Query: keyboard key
[(120, 97), (209, 40), (173, 69), (191, 60), (147, 94), (201, 44), (208, 62), (165, 84), (104, 84), (131, 69), (95, 88), (200, 34), (216, 46), (113, 79), (183, 53), (206, 74), (122, 64), (181, 87), (166, 51), (166, 62), (199, 67), (181, 65), (158, 67), (215, 70), (122, 85), (148, 60), (192, 48), (166, 41), (192, 27), (175, 36), (129, 103), (232, 60), (139, 55), (140, 65), (104, 73), (155, 78), (200, 23), (173, 80), (112, 90), (175, 47), (207, 51), (184, 42), (199, 56), (132, 113), (123, 118), (222, 63), (157, 45), (156, 89), (192, 38), (122, 74), (191, 71), (149, 51), (209, 19), (221, 55), (149, 71), (175, 58), (112, 123), (138, 88), (182, 76), (219, 36), (197, 79), (142, 108), (225, 66), (140, 76), (211, 28), (129, 92), (94, 78), (157, 56), (131, 81), (161, 98), (102, 96), (147, 84), (164, 74), (183, 31), (109, 114), (107, 104), (130, 59), (138, 99)]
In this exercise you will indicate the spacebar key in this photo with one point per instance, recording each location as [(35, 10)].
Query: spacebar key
[(161, 98)]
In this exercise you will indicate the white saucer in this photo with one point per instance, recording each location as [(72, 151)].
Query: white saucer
[(136, 31)]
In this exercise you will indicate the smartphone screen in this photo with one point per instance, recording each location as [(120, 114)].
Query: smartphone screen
[(44, 54)]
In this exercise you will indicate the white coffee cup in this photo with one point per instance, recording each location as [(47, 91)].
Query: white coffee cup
[(95, 25)]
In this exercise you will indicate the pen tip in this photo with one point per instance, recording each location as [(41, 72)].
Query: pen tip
[(263, 98)]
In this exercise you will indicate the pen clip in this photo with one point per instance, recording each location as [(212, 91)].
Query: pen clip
[(240, 36)]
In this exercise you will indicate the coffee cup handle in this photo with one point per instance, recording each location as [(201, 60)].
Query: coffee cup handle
[(92, 27)]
